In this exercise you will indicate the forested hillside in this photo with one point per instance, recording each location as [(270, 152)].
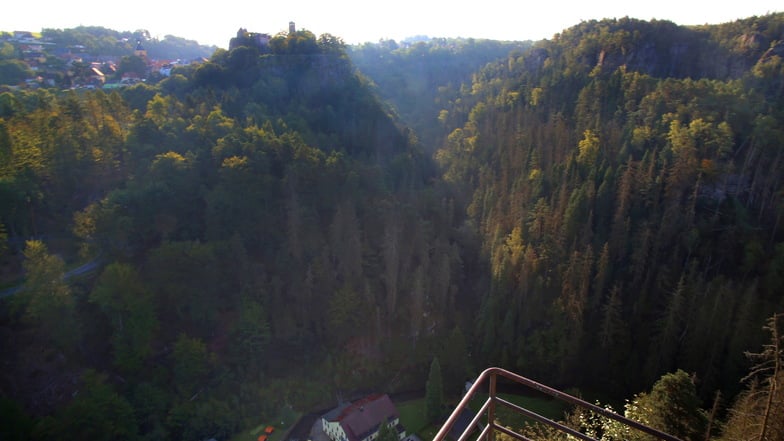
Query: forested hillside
[(420, 79), (265, 229), (626, 180), (602, 212)]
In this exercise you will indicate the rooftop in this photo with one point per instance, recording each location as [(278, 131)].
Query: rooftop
[(362, 417)]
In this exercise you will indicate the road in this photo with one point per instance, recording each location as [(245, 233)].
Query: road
[(78, 271)]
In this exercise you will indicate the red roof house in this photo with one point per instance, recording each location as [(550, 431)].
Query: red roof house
[(360, 420)]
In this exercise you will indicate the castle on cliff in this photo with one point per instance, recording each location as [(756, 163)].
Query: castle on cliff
[(257, 39)]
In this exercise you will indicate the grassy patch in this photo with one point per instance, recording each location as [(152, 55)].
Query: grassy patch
[(412, 415), (428, 433), (289, 418), (547, 407)]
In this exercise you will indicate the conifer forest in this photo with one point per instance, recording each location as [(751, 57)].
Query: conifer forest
[(293, 221)]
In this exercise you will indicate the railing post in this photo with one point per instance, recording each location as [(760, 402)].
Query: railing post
[(491, 407), (488, 410)]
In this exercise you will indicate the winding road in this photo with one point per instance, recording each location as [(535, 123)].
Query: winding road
[(78, 271)]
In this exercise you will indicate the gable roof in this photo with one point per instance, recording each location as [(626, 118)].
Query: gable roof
[(333, 414), (363, 417)]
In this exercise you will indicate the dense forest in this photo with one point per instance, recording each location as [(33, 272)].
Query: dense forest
[(627, 199), (419, 80), (291, 222)]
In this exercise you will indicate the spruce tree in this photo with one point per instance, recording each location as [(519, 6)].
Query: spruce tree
[(434, 392)]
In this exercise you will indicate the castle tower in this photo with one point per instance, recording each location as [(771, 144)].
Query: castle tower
[(292, 28)]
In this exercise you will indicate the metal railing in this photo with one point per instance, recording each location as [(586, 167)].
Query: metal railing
[(492, 426)]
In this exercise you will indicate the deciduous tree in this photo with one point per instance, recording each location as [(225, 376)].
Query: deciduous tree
[(47, 298), (672, 406), (128, 305)]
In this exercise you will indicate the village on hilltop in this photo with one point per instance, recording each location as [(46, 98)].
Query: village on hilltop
[(39, 62)]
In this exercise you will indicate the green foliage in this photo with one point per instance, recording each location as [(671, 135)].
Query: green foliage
[(344, 312), (588, 149), (72, 143), (672, 407), (97, 40), (457, 363), (434, 393), (173, 47), (611, 196), (15, 424), (47, 299), (127, 303), (413, 416), (423, 80), (386, 432), (204, 419), (97, 412), (659, 181), (7, 51), (150, 405), (192, 362), (14, 72), (331, 43), (132, 64), (250, 337)]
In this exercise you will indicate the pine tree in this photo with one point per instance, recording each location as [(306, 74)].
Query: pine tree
[(434, 392), (612, 323)]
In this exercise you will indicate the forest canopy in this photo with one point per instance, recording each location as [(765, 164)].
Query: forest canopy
[(600, 211)]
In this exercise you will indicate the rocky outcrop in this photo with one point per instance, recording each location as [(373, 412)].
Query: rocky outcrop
[(777, 50)]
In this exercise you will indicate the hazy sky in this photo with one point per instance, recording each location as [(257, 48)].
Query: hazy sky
[(357, 22)]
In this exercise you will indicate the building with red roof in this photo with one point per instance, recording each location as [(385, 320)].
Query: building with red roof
[(360, 420)]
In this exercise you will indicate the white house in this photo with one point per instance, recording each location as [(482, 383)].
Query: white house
[(360, 420)]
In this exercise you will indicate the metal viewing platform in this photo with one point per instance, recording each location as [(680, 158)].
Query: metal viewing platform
[(491, 426)]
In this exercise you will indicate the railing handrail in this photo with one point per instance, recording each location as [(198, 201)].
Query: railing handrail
[(492, 373)]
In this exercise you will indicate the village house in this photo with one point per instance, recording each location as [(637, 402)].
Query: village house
[(23, 36), (361, 420), (163, 67)]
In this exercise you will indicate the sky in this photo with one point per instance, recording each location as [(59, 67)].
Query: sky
[(214, 23)]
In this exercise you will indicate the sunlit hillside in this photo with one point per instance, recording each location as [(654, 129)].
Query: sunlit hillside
[(228, 246)]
